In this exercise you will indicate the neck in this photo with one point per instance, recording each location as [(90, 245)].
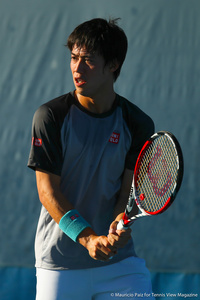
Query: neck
[(99, 104)]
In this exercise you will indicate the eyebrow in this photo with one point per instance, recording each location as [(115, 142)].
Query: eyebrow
[(82, 56)]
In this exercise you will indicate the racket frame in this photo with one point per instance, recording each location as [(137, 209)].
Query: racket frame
[(125, 222)]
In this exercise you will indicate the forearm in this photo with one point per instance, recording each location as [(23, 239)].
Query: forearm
[(124, 195), (119, 211), (60, 210), (51, 196), (119, 238)]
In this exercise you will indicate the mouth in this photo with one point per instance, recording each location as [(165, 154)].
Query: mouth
[(79, 81)]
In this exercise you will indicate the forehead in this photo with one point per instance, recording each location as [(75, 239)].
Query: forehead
[(81, 50)]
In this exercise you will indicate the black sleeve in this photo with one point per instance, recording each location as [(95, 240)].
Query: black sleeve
[(141, 127), (141, 132), (46, 149)]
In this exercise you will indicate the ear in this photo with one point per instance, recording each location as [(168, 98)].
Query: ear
[(114, 65)]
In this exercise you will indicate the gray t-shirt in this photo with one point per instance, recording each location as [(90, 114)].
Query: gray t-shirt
[(90, 152)]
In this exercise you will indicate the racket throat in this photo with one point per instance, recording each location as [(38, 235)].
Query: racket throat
[(125, 219)]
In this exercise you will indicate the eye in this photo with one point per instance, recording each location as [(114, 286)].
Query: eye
[(74, 58), (89, 61)]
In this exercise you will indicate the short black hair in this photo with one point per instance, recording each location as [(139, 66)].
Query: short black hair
[(101, 36)]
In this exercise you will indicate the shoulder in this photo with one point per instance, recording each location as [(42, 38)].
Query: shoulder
[(54, 110), (134, 116)]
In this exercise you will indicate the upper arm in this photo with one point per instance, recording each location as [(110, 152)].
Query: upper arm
[(46, 148)]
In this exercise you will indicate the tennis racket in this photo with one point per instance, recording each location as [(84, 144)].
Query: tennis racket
[(157, 177)]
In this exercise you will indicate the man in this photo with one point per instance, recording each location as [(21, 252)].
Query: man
[(84, 148)]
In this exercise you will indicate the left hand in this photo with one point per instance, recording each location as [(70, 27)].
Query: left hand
[(118, 238)]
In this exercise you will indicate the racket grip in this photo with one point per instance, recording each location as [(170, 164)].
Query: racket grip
[(120, 225)]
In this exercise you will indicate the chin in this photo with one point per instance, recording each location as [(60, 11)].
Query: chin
[(83, 93)]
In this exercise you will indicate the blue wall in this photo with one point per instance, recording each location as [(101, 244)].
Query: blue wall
[(161, 74)]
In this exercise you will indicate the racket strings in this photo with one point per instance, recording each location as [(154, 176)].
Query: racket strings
[(157, 174)]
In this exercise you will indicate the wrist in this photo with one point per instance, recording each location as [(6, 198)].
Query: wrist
[(72, 224), (86, 236)]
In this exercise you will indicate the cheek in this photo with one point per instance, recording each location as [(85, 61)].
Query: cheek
[(71, 67), (97, 72)]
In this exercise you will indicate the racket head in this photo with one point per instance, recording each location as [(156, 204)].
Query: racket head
[(158, 173)]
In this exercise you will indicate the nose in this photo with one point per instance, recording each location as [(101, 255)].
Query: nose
[(79, 66)]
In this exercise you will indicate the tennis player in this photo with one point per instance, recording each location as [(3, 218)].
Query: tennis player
[(84, 148)]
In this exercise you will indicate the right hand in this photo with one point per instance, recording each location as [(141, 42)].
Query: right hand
[(98, 247)]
